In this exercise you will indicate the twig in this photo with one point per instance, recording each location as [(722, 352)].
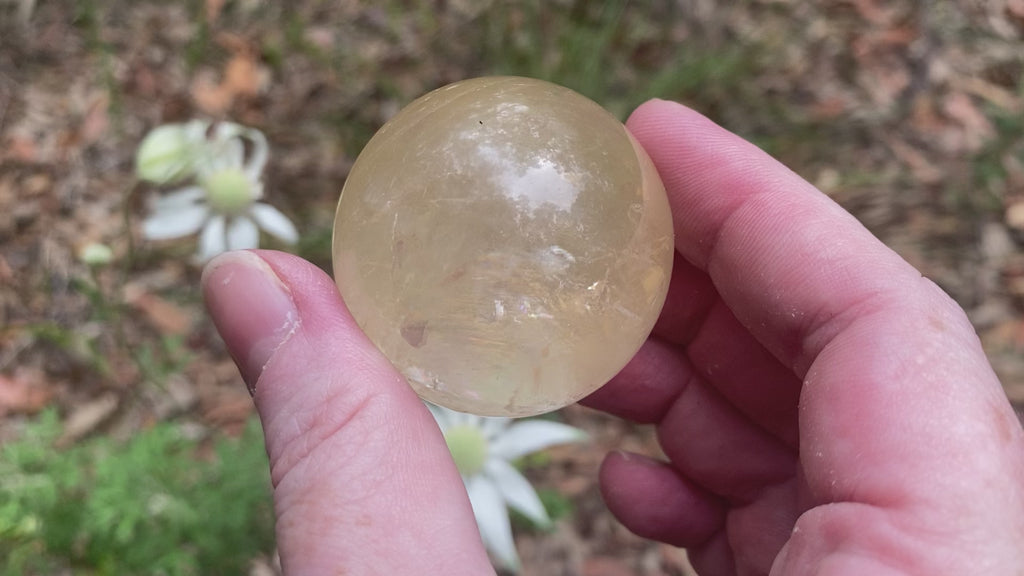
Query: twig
[(25, 10), (5, 102)]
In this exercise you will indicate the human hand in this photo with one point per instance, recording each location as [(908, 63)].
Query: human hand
[(904, 456), (825, 409), (363, 480)]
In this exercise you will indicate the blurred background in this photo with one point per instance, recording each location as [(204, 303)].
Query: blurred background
[(127, 440)]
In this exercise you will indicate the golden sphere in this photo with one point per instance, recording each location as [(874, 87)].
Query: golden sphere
[(505, 243)]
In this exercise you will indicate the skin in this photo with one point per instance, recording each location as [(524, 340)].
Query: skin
[(824, 408)]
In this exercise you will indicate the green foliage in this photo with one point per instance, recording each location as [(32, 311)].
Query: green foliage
[(604, 51), (990, 174), (157, 362), (83, 348), (315, 245), (556, 504), (561, 45), (200, 44), (88, 16), (148, 506)]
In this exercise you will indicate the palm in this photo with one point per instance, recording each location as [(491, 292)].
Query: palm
[(803, 376)]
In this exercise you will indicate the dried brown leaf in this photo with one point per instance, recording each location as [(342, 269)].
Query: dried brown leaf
[(21, 149), (924, 117), (26, 391), (213, 10), (208, 94), (6, 274), (675, 560), (977, 130), (230, 408), (95, 122), (1014, 168), (829, 108), (873, 12), (605, 566), (1015, 392), (992, 93), (884, 81), (244, 77), (1015, 215), (87, 417), (162, 314), (924, 170)]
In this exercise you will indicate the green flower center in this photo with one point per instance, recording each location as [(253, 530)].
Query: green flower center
[(468, 447), (228, 191)]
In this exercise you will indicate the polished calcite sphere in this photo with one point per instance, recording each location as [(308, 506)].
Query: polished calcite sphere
[(505, 243)]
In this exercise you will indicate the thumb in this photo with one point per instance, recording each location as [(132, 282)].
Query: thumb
[(363, 481)]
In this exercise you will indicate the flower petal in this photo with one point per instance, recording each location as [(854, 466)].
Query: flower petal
[(232, 155), (517, 491), (175, 222), (464, 419), (243, 234), (221, 155), (455, 418), (260, 151), (492, 519), (529, 436), (440, 415), (275, 223), (164, 155), (177, 199), (213, 239), (492, 426), (226, 131), (195, 130)]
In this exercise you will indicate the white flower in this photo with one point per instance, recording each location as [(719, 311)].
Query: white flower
[(483, 449), (222, 206)]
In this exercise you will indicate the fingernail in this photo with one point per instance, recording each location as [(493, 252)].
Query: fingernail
[(252, 309)]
